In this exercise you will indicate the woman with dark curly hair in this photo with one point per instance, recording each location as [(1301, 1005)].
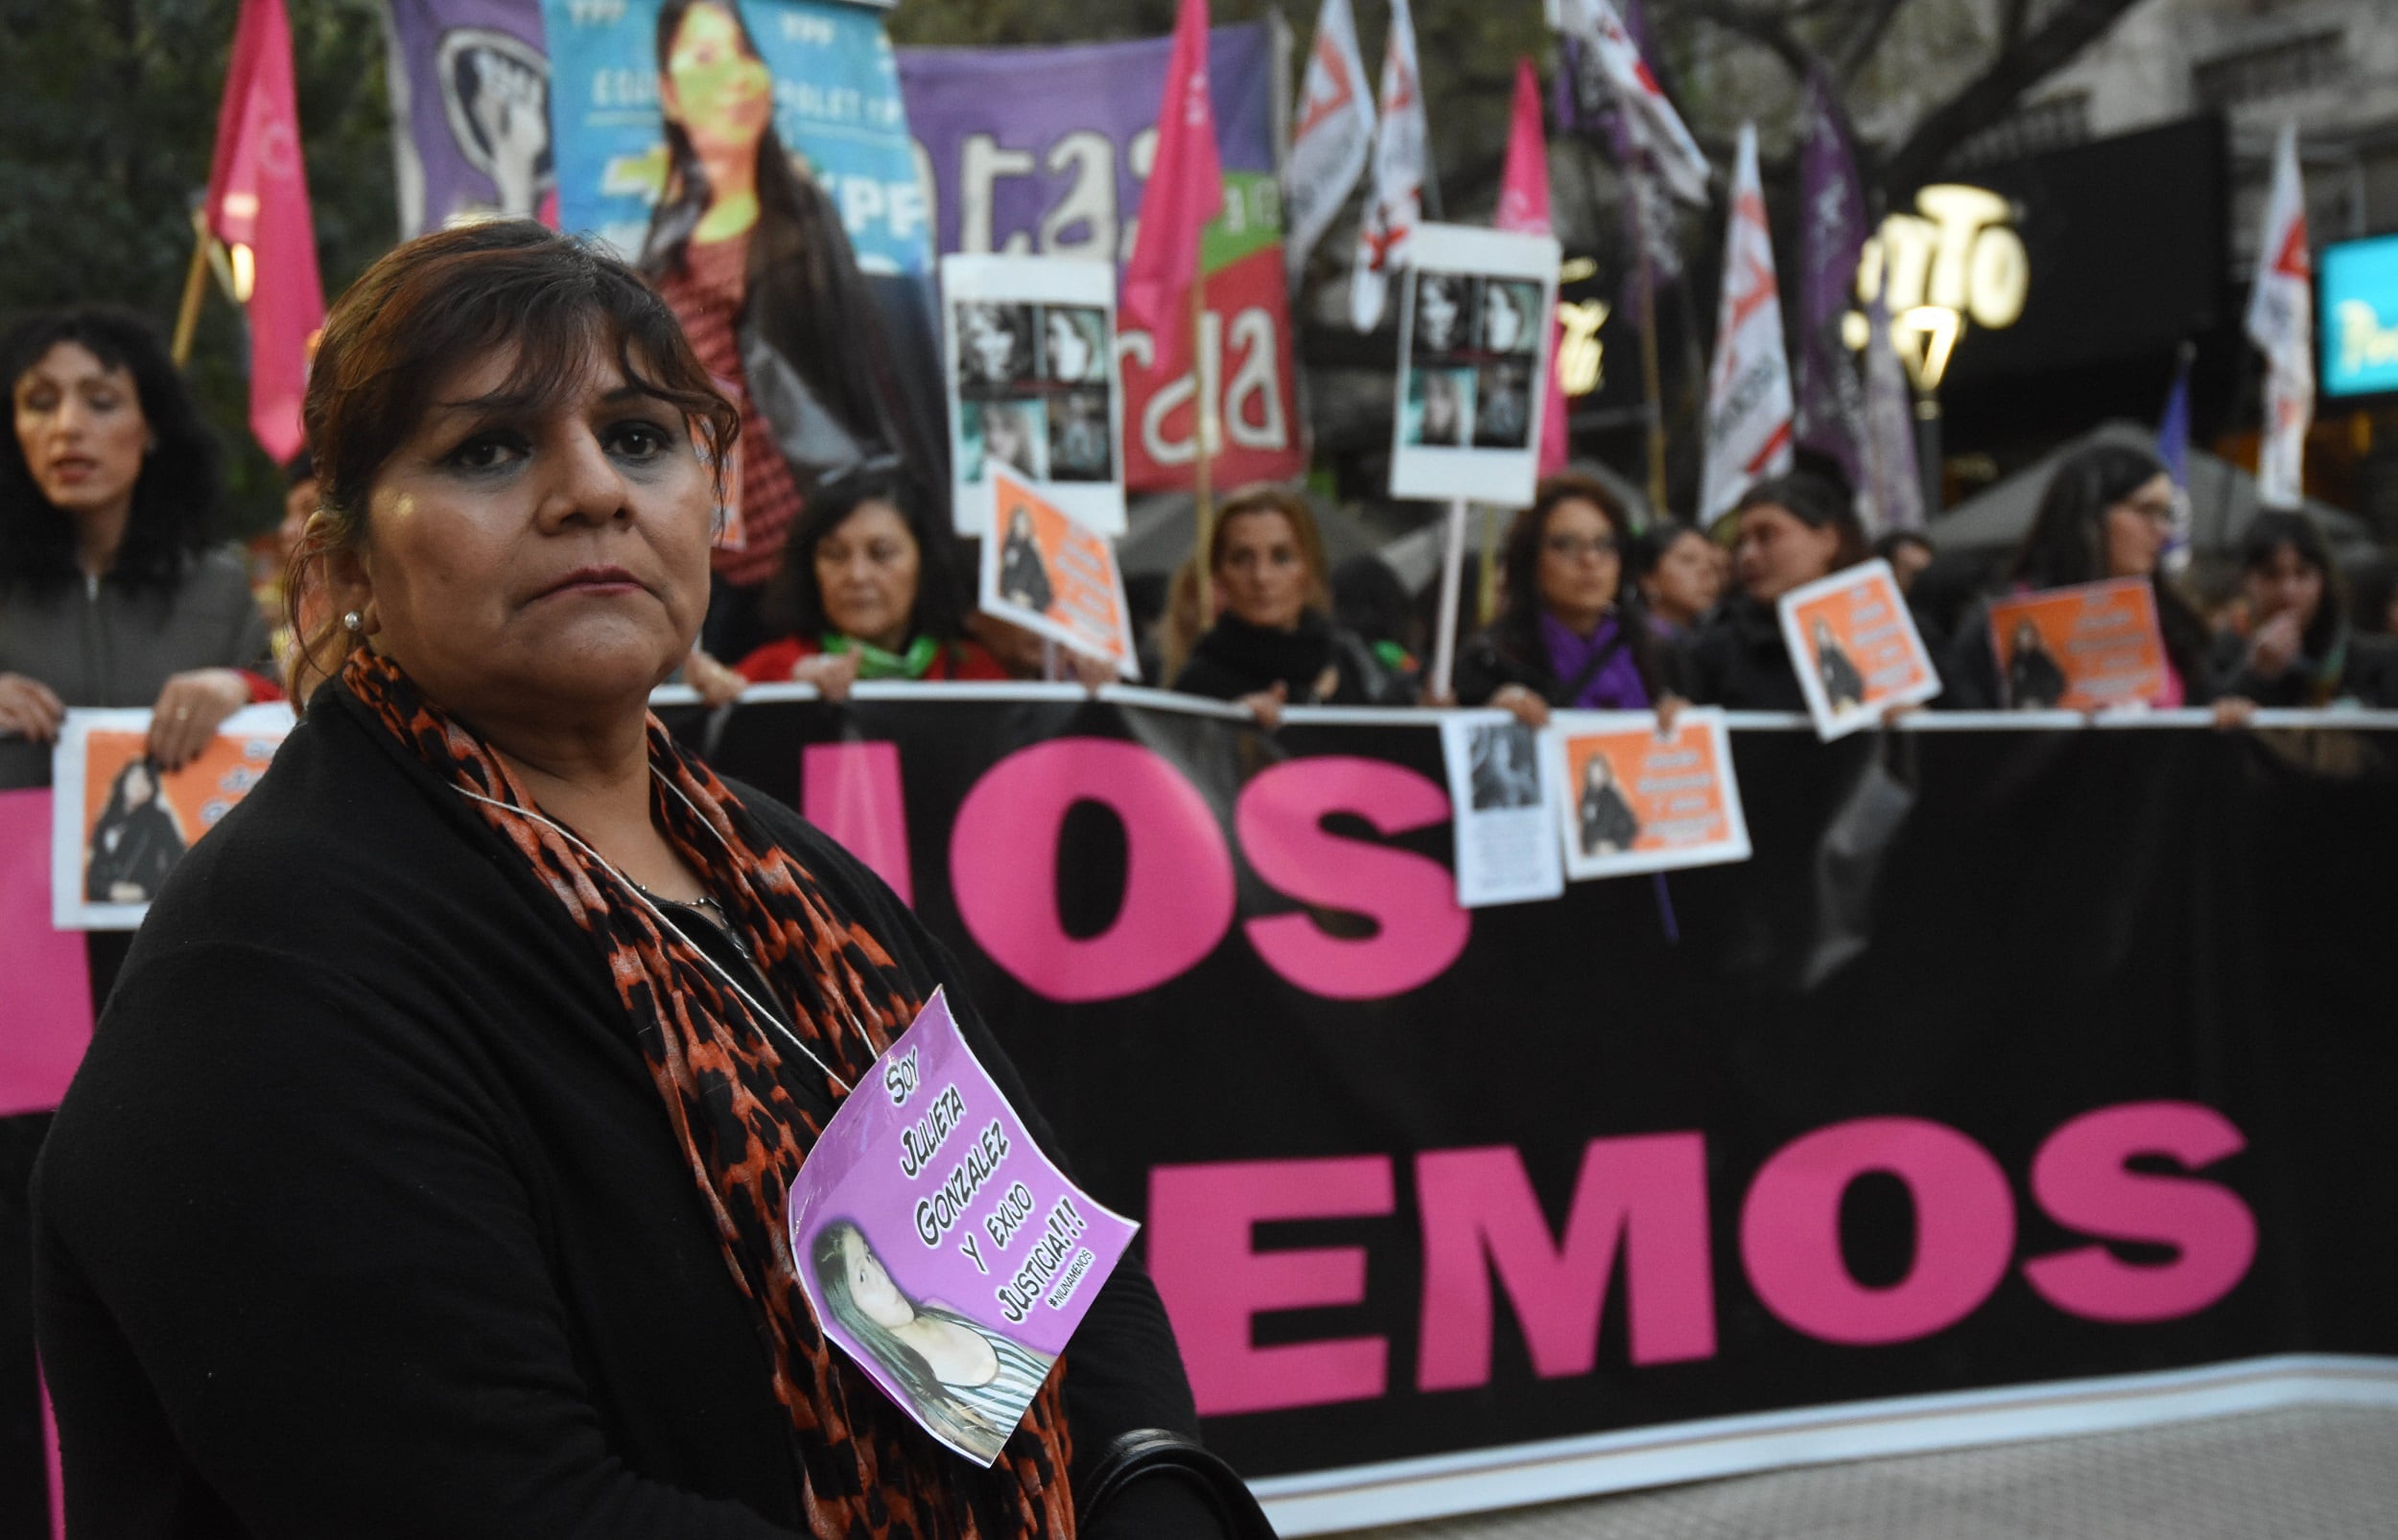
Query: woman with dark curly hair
[(113, 592), (1571, 631), (866, 592)]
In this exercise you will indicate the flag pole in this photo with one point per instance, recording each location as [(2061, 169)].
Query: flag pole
[(1650, 386), (194, 289), (1452, 565), (1202, 444)]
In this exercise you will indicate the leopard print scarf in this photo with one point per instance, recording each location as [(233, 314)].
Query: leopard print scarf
[(867, 1473)]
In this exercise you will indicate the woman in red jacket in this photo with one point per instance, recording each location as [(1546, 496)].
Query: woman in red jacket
[(865, 591)]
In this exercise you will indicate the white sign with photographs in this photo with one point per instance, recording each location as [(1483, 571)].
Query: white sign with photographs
[(1034, 385), (1473, 348), (1507, 849)]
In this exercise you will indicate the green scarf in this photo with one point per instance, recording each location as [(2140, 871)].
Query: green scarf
[(874, 662)]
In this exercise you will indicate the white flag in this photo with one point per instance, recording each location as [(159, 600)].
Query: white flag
[(1335, 133), (1648, 115), (1749, 401), (2281, 310), (1399, 172)]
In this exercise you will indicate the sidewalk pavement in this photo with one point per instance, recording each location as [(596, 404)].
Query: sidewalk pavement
[(2308, 1473)]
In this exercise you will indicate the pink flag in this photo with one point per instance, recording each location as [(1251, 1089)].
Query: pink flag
[(1185, 191), (258, 207), (1523, 207)]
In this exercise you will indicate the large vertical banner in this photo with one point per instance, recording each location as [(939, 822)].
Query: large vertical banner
[(470, 111), (1044, 151), (834, 84)]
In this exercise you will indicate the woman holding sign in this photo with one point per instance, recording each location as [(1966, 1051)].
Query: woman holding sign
[(429, 1166), (1794, 529), (113, 592), (2107, 513)]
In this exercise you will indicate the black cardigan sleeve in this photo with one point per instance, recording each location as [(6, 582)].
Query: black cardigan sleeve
[(336, 1206)]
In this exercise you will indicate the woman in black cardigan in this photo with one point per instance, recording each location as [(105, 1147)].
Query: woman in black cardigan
[(1276, 644), (427, 1172)]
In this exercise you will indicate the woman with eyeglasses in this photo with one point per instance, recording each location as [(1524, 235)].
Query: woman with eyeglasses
[(1571, 632), (1793, 530), (2107, 513)]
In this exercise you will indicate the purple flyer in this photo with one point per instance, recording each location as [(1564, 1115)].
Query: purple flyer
[(939, 1247)]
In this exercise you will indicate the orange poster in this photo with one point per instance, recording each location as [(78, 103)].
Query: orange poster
[(1631, 800), (1855, 649), (2079, 648), (1051, 573), (120, 825)]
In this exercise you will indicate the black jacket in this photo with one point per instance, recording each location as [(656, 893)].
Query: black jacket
[(364, 1217), (1024, 577), (1236, 659), (1739, 662), (140, 847)]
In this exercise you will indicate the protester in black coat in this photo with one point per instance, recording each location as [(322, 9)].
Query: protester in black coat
[(1793, 530), (1275, 644)]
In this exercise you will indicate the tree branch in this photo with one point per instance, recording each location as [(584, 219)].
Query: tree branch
[(1762, 27), (2074, 26), (1864, 39)]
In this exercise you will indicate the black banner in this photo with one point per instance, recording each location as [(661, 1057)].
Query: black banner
[(2012, 1057)]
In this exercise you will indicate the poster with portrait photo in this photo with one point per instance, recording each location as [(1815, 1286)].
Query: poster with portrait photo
[(119, 824), (939, 1247), (1632, 799), (1854, 647), (1473, 347), (1034, 385), (1056, 576), (1506, 839)]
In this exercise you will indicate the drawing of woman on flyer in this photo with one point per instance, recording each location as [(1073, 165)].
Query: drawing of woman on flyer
[(969, 1384)]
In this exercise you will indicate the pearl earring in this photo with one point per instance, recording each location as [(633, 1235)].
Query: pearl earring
[(352, 621)]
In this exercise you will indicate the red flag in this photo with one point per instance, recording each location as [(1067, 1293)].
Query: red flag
[(258, 207), (1185, 191), (1523, 207)]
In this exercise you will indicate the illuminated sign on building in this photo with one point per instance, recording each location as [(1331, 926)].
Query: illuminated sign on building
[(1956, 259), (2357, 291)]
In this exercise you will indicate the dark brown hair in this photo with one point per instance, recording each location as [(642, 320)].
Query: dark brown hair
[(1266, 497), (1815, 502), (432, 306), (1518, 624)]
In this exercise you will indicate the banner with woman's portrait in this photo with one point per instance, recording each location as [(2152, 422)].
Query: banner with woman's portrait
[(1632, 799), (119, 823), (821, 74), (1473, 348), (1033, 386)]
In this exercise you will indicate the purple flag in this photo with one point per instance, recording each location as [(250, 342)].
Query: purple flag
[(1831, 238), (470, 111)]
